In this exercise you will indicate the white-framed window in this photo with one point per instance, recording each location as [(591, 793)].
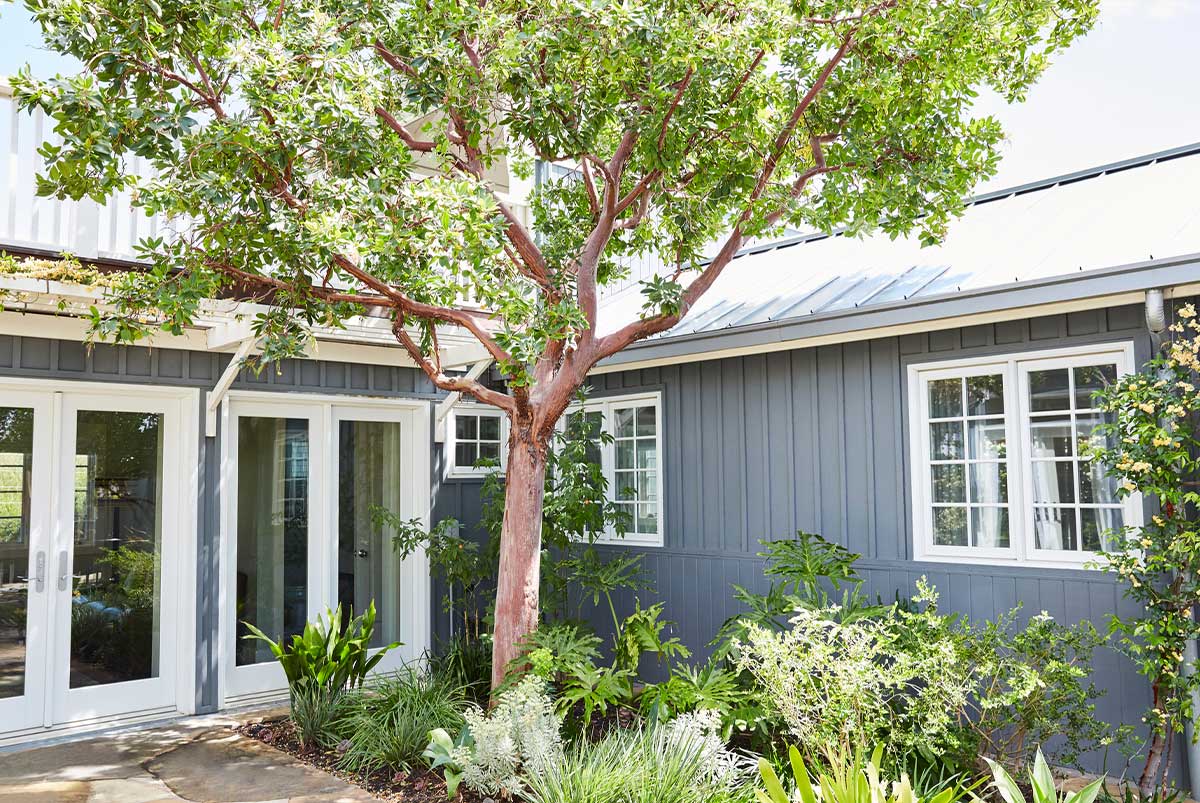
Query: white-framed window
[(999, 469), (474, 433), (632, 461)]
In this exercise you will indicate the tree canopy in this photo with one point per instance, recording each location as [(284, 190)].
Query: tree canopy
[(332, 156)]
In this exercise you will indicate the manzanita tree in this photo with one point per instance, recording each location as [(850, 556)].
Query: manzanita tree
[(1151, 445), (331, 157)]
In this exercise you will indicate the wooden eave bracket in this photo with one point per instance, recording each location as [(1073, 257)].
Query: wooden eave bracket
[(214, 397)]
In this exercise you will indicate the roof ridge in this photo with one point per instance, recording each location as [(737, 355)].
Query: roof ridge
[(1145, 160)]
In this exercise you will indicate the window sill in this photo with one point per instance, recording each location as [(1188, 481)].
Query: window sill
[(1086, 561), (632, 539), (468, 474)]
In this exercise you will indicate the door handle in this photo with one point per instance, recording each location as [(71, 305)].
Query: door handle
[(39, 572), (362, 553), (64, 574)]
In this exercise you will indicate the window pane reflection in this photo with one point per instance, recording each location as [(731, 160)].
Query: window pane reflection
[(272, 531), (16, 468), (116, 606), (368, 567)]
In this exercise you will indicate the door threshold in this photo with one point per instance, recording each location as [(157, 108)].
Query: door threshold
[(69, 734)]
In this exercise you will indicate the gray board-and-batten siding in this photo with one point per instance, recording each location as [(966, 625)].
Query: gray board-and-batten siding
[(33, 357), (815, 439), (754, 447)]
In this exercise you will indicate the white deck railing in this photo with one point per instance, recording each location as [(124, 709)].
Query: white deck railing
[(110, 231), (85, 228)]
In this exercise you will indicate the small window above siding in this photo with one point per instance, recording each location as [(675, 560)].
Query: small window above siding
[(475, 433), (999, 472)]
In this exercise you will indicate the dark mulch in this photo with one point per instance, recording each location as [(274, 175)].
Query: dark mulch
[(418, 786)]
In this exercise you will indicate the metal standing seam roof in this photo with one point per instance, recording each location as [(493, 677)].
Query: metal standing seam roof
[(1117, 214)]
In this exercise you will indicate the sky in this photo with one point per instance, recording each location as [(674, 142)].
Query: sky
[(1130, 87)]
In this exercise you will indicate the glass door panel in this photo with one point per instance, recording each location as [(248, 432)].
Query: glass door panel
[(369, 481), (272, 532), (16, 474), (116, 600)]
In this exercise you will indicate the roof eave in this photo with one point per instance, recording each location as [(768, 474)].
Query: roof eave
[(1014, 300)]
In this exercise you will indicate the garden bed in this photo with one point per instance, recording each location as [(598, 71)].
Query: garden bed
[(418, 786)]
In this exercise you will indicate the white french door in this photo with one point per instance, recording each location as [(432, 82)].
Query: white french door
[(303, 479), (97, 508)]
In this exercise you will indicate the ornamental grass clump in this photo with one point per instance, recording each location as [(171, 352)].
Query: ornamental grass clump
[(388, 724), (684, 761)]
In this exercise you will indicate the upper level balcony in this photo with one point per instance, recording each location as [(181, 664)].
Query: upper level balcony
[(31, 224)]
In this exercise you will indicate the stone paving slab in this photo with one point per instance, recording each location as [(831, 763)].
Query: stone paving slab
[(198, 760)]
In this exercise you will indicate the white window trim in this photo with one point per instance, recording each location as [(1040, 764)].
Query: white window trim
[(605, 405), (452, 469), (1015, 368)]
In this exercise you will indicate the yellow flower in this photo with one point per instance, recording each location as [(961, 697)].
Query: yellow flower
[(1188, 311), (1186, 387), (1158, 520), (1128, 485), (1146, 407)]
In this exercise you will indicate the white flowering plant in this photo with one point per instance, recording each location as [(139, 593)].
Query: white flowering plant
[(898, 679), (498, 750), (1151, 448)]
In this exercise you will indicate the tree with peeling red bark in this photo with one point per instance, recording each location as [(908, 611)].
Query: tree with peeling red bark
[(334, 158)]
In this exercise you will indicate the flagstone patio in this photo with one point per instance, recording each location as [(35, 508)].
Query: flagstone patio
[(199, 760)]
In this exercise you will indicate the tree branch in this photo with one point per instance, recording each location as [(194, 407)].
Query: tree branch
[(394, 61), (683, 85), (636, 330), (737, 90), (440, 379), (419, 145)]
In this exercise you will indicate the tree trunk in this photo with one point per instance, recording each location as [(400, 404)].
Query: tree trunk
[(520, 549)]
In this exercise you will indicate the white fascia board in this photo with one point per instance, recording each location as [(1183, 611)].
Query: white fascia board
[(40, 308)]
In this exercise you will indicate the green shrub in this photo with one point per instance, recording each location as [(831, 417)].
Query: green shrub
[(679, 762), (900, 679), (388, 724), (801, 570), (1032, 686), (469, 661)]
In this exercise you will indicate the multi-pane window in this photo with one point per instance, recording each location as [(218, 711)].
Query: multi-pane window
[(1074, 502), (630, 461), (475, 435), (1001, 466), (968, 461)]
